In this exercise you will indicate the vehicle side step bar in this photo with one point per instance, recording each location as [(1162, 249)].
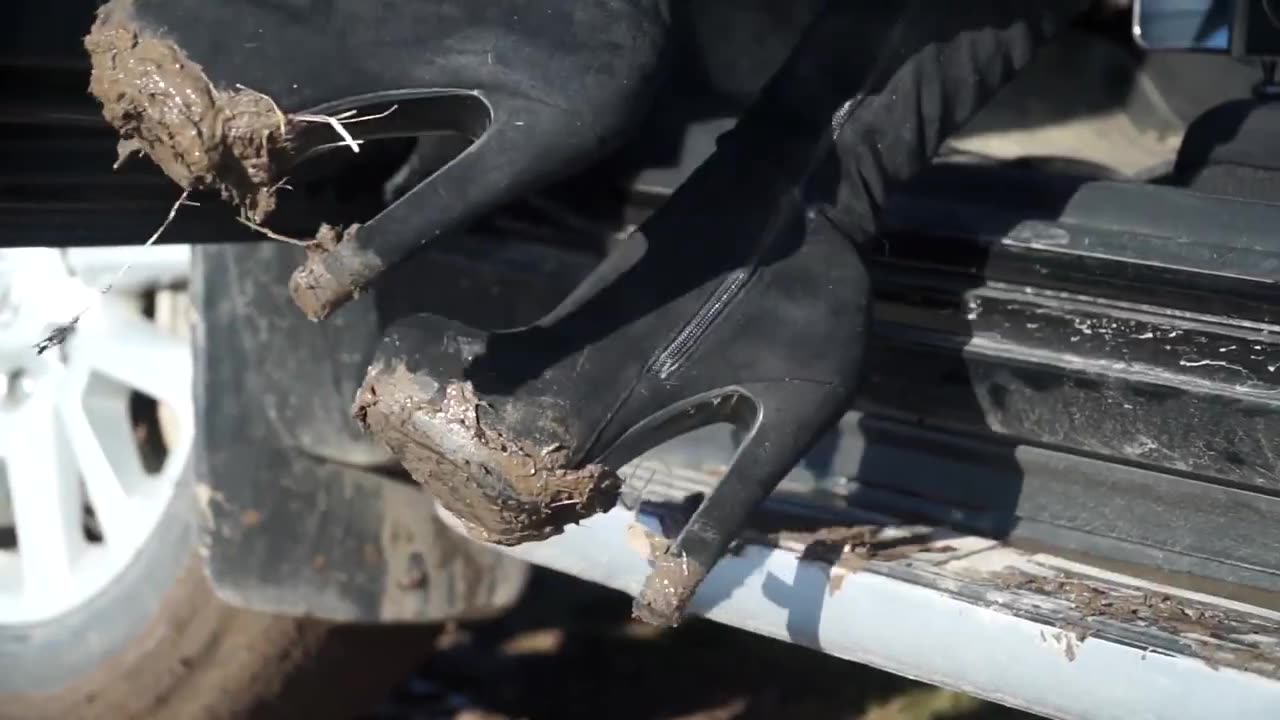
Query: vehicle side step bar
[(1027, 630)]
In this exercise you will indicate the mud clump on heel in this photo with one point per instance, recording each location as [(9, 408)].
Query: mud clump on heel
[(335, 269), (668, 589), (162, 104), (503, 492)]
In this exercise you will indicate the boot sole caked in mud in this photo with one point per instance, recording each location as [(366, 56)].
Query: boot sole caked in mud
[(502, 492)]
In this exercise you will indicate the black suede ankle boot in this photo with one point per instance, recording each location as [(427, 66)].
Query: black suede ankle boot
[(742, 299)]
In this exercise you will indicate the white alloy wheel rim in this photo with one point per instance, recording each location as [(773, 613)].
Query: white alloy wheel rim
[(79, 496)]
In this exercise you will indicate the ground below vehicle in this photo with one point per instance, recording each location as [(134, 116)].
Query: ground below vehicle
[(1078, 508)]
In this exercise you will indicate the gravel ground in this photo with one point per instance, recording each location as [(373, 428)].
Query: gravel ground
[(570, 652)]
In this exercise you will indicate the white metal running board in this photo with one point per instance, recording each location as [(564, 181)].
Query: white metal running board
[(1032, 631)]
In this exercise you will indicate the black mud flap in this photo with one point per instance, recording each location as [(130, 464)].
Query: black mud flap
[(301, 514)]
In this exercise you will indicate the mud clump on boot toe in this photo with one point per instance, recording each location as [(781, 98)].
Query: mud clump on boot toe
[(162, 104), (504, 492)]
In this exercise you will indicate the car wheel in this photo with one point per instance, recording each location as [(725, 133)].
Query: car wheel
[(105, 611)]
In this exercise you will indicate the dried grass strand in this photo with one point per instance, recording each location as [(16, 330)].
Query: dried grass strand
[(61, 333)]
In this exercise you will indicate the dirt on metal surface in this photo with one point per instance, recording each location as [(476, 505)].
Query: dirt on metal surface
[(853, 547), (502, 491), (1215, 634)]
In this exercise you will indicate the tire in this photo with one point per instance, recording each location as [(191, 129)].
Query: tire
[(158, 643)]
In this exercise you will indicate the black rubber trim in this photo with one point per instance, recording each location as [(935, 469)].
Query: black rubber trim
[(1083, 504)]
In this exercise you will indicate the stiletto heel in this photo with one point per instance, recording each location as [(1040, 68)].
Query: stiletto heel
[(228, 95), (500, 163), (780, 423), (742, 298)]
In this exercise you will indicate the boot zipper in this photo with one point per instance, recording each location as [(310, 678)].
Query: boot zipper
[(880, 72), (679, 349), (684, 343), (842, 114)]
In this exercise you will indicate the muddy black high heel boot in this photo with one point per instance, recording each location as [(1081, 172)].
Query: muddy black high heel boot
[(739, 300), (226, 94)]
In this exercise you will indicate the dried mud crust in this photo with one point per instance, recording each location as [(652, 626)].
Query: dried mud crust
[(854, 547), (504, 492), (162, 104), (1215, 635)]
